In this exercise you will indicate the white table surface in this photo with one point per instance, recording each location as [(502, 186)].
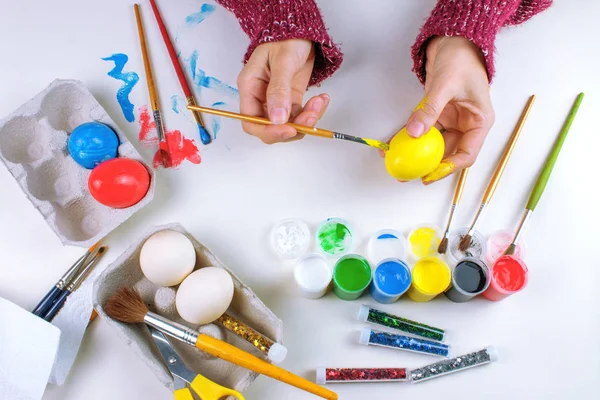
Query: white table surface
[(547, 336)]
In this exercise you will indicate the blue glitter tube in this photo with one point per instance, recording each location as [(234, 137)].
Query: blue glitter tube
[(369, 336)]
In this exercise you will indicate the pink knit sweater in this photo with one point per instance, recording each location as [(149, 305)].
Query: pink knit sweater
[(477, 20)]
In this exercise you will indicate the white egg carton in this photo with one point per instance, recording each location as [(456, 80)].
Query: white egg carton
[(246, 306), (33, 146)]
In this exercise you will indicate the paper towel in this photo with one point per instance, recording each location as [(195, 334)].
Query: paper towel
[(28, 346)]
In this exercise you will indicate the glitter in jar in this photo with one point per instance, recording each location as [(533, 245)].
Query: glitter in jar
[(347, 375), (377, 317), (476, 249), (441, 368), (290, 238), (371, 337), (274, 351)]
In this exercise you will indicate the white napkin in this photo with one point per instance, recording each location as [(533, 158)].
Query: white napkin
[(72, 320), (28, 346)]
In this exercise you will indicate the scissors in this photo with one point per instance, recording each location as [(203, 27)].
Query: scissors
[(183, 376)]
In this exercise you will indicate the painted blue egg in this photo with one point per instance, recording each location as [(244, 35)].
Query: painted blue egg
[(92, 143)]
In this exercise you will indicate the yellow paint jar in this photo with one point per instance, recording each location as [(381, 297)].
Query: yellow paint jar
[(430, 277), (423, 241)]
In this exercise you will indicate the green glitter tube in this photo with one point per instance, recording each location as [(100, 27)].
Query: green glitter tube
[(377, 317)]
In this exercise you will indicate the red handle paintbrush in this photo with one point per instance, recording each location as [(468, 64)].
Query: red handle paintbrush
[(204, 136)]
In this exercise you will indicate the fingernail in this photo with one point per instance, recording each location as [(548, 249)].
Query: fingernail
[(288, 135), (278, 116), (325, 97), (317, 104), (415, 128), (443, 170)]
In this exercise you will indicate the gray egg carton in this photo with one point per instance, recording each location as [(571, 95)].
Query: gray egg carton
[(246, 306), (33, 146)]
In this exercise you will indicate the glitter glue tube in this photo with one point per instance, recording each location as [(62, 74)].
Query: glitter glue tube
[(470, 277), (369, 336), (274, 351), (348, 375), (460, 363), (378, 317)]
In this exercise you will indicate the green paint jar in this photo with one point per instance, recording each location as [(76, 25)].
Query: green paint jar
[(334, 237), (351, 276)]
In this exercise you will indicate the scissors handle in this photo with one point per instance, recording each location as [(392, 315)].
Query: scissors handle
[(209, 390), (183, 394)]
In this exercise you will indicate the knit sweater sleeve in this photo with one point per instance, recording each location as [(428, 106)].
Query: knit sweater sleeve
[(477, 20), (274, 20)]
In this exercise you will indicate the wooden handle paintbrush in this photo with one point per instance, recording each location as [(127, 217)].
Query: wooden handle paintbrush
[(160, 130), (457, 196), (204, 136), (126, 305), (544, 175), (307, 130), (466, 240)]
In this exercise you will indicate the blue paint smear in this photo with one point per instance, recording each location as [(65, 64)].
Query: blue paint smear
[(387, 236), (201, 80), (179, 104), (196, 18), (216, 120), (175, 103), (129, 81)]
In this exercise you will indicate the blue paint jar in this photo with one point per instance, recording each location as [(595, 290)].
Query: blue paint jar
[(391, 278), (92, 143)]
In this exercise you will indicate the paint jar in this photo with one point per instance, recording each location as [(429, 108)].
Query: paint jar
[(423, 241), (349, 375), (378, 317), (499, 242), (334, 237), (475, 359), (430, 277), (509, 275), (477, 248), (386, 243), (391, 278), (290, 238), (351, 276), (372, 337), (313, 276), (470, 277)]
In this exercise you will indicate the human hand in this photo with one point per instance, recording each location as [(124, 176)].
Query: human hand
[(457, 101), (272, 84)]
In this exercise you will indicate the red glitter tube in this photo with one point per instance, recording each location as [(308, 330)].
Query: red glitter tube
[(347, 375)]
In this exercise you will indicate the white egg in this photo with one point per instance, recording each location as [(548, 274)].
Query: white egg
[(167, 257), (204, 295)]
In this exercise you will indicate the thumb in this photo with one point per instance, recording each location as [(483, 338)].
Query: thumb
[(279, 91), (426, 114)]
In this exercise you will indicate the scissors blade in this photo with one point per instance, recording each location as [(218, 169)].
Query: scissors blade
[(181, 373)]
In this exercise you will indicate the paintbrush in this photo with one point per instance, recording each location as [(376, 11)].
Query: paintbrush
[(544, 175), (307, 130), (204, 136), (457, 196), (164, 154), (78, 279), (50, 297), (126, 305), (466, 240)]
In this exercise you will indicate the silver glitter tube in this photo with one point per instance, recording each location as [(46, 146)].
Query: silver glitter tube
[(456, 364)]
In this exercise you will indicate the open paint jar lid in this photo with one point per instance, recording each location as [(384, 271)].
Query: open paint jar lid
[(313, 275), (290, 238), (499, 242), (477, 248), (424, 240), (386, 243), (334, 237)]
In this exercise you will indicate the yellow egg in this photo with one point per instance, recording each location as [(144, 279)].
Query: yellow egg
[(409, 158)]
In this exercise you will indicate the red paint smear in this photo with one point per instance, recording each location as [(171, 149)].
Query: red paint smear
[(179, 147), (509, 273)]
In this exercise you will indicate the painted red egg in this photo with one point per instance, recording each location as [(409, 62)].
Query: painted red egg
[(119, 183)]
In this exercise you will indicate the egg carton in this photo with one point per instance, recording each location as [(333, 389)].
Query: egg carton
[(33, 146), (246, 306)]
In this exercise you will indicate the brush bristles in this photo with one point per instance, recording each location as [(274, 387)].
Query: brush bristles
[(126, 305), (510, 250), (443, 246), (465, 243)]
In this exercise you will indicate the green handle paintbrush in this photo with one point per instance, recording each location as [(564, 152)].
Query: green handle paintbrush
[(542, 179)]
